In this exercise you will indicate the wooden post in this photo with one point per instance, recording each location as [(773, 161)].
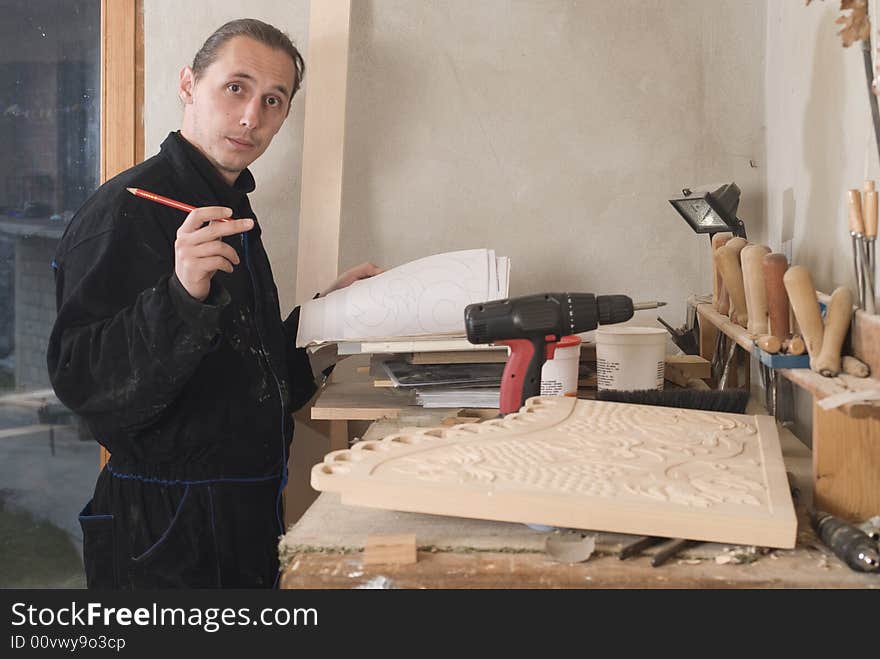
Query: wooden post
[(122, 92), (317, 261)]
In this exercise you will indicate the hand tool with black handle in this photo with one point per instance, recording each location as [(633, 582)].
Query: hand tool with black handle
[(848, 543), (531, 326)]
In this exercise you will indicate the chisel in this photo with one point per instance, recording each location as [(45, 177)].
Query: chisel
[(727, 260), (774, 266), (720, 299), (870, 219), (752, 257), (802, 297), (856, 230), (838, 316)]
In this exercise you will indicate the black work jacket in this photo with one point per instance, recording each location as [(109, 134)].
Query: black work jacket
[(175, 389)]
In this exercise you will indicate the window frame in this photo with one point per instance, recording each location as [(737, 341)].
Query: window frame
[(122, 71)]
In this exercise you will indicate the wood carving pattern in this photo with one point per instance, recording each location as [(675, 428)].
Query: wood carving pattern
[(610, 451), (587, 453)]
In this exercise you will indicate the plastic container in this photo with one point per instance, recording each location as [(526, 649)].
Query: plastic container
[(630, 358), (559, 376)]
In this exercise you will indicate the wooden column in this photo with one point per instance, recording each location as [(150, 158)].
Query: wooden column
[(122, 91), (323, 147)]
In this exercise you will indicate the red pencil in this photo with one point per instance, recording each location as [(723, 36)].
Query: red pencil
[(165, 201)]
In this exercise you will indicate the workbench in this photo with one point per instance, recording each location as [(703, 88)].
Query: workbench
[(324, 549)]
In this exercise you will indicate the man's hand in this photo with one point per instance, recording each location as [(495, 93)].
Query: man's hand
[(347, 278), (199, 251)]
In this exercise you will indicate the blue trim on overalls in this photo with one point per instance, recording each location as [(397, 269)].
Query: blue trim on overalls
[(162, 481)]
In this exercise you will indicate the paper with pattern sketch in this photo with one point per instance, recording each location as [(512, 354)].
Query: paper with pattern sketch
[(421, 298)]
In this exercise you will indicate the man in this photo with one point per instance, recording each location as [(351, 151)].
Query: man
[(169, 341)]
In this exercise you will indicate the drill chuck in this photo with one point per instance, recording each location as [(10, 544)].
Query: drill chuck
[(853, 547)]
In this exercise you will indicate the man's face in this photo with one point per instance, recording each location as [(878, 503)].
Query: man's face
[(238, 104)]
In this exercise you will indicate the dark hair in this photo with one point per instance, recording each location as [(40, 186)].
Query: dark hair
[(254, 29)]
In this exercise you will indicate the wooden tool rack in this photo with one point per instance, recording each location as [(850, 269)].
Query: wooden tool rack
[(846, 439)]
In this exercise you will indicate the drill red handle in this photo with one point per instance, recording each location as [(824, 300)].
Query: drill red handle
[(522, 373)]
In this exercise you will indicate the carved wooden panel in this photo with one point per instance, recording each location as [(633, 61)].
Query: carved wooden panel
[(587, 465)]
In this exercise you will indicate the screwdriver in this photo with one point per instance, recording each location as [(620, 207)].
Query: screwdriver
[(848, 543)]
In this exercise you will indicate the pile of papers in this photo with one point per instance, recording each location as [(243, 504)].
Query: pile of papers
[(410, 319), (423, 299)]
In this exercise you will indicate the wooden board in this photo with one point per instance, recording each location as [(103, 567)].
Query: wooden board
[(782, 569), (846, 464), (122, 93), (584, 464), (680, 369), (359, 401), (395, 549), (494, 356), (326, 83)]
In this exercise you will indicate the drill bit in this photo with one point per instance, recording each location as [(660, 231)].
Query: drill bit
[(640, 306)]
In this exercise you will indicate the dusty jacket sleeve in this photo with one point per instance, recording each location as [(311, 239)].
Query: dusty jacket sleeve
[(127, 335), (299, 370)]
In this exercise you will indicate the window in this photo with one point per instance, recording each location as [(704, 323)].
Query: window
[(50, 111)]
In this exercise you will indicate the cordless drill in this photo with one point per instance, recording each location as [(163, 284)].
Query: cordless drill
[(532, 325)]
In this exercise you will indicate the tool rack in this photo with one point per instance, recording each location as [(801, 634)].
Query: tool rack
[(845, 440)]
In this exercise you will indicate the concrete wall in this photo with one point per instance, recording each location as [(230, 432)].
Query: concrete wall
[(820, 139), (820, 142), (171, 39), (554, 132), (551, 131)]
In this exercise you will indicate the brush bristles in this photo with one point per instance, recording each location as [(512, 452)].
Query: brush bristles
[(725, 400)]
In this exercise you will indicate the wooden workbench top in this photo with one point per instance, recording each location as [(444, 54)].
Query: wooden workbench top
[(324, 549)]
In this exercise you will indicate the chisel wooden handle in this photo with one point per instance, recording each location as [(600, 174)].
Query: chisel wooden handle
[(752, 257), (802, 297), (769, 343), (724, 305), (727, 260), (854, 205), (775, 266), (837, 321), (794, 346), (717, 285), (870, 214), (852, 366)]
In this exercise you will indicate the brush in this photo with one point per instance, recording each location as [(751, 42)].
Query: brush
[(721, 400)]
